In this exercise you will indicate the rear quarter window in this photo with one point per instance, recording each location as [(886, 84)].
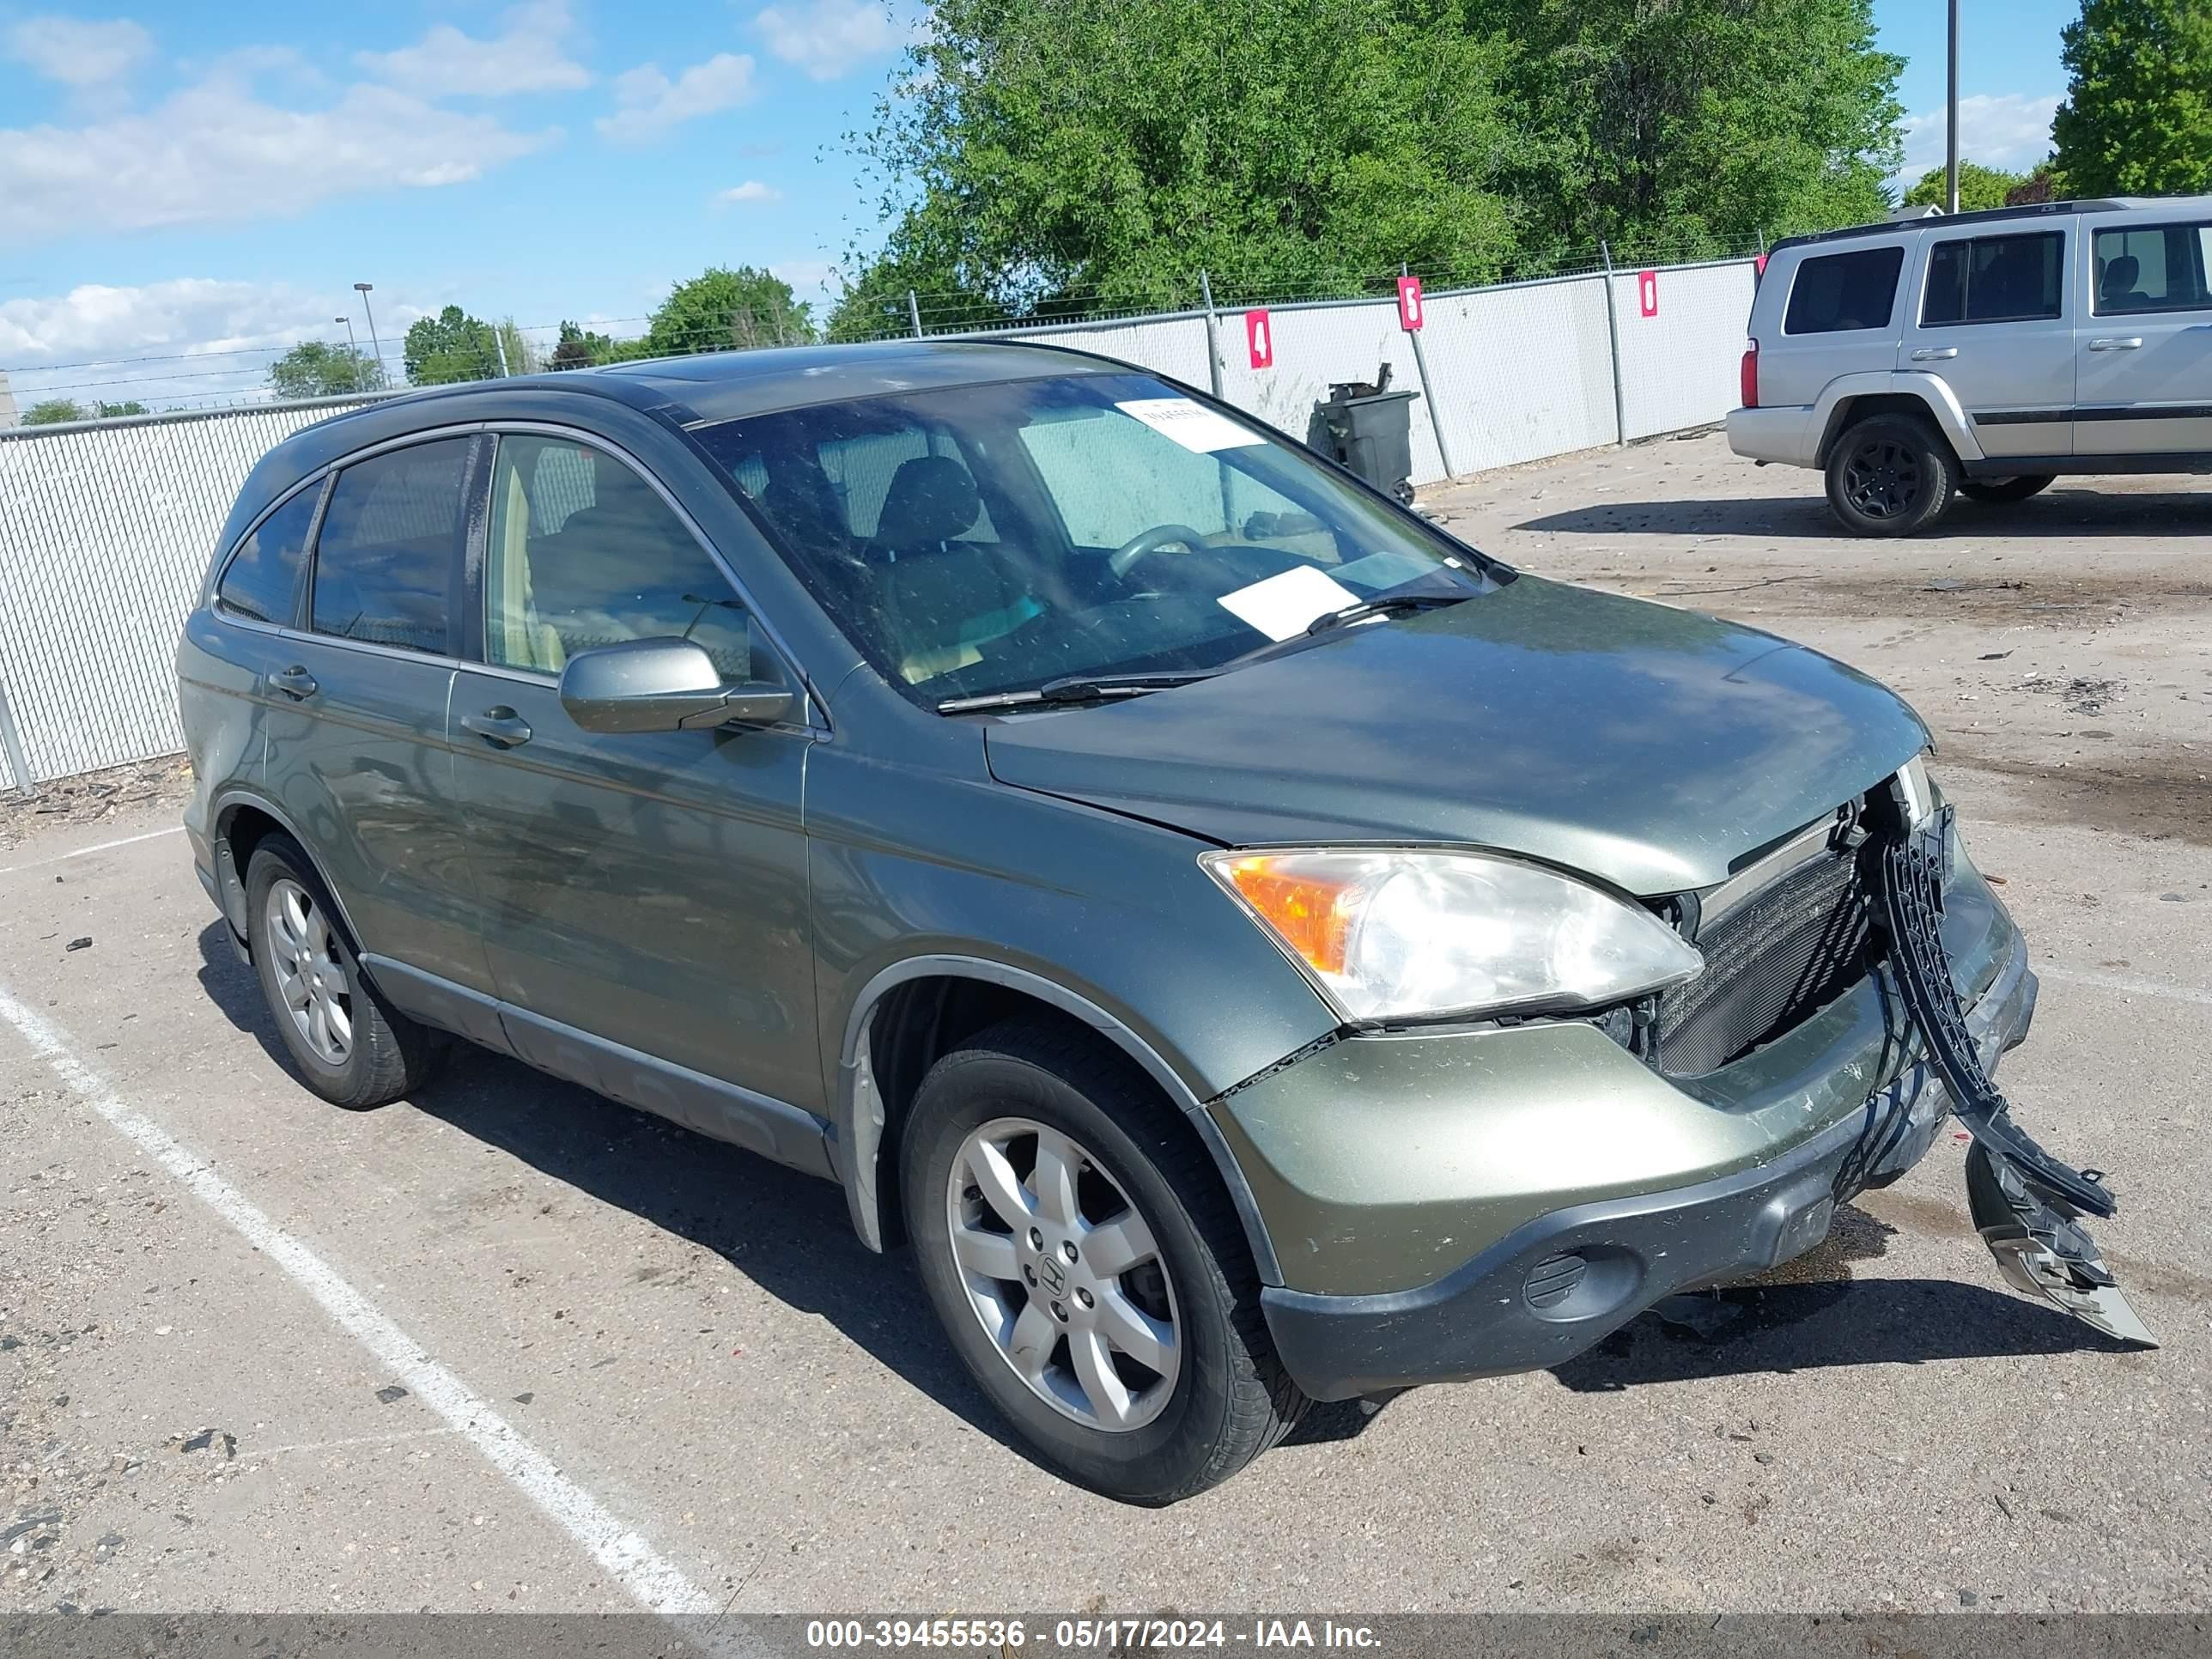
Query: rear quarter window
[(1836, 293), (262, 580), (1996, 279)]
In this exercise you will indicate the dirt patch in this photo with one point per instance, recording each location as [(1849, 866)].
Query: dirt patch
[(122, 797), (1920, 596), (2159, 796), (1930, 1217)]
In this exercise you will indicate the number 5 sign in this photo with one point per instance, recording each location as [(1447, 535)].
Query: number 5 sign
[(1409, 303)]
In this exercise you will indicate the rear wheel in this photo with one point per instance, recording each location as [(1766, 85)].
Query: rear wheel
[(1108, 1308), (1891, 475), (349, 1046), (1994, 490)]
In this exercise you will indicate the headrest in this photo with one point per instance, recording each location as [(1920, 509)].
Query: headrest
[(2120, 274), (932, 499)]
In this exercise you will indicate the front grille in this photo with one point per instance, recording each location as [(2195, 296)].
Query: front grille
[(1780, 957)]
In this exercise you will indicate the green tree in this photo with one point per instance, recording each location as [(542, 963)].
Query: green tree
[(2138, 119), (129, 406), (449, 347), (315, 368), (522, 356), (1034, 154), (1979, 187), (53, 411), (1693, 126), (724, 309)]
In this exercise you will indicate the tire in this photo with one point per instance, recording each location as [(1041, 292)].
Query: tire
[(1186, 1427), (363, 1052), (1891, 475), (1993, 491)]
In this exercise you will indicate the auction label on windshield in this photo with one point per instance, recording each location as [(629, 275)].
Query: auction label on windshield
[(1287, 604), (1194, 426)]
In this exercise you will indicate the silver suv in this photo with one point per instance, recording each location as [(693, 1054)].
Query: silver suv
[(1984, 354)]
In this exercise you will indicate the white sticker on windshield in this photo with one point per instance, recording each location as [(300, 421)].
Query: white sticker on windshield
[(1194, 426), (1282, 607)]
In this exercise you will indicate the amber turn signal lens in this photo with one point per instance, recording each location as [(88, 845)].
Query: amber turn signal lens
[(1313, 915)]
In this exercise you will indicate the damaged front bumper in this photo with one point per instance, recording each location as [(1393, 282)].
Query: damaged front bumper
[(1560, 1283)]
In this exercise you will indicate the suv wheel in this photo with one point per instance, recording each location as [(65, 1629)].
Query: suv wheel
[(350, 1046), (1891, 475), (1994, 490), (1108, 1308)]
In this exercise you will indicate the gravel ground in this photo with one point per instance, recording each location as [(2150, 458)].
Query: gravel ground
[(694, 1348)]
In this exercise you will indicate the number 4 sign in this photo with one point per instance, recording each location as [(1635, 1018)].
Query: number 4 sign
[(1260, 337)]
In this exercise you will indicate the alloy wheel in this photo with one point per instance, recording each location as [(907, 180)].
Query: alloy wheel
[(311, 979), (1882, 478), (1064, 1274)]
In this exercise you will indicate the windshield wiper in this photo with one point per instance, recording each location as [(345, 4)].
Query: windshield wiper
[(1390, 605), (1075, 688)]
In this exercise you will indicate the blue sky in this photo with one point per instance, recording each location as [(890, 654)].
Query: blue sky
[(205, 175)]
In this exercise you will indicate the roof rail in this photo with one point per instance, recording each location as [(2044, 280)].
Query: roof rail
[(1945, 221)]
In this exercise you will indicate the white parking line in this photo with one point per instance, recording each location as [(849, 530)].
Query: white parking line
[(655, 1583), (98, 846), (2127, 983)]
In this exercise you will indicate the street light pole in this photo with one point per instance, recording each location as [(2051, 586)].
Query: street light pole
[(350, 344), (1951, 122), (374, 344)]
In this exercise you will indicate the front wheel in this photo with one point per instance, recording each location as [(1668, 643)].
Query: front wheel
[(1109, 1310), (1891, 475), (1992, 491)]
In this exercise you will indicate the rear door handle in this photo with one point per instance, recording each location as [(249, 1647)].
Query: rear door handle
[(2132, 342), (499, 725), (295, 682), (1929, 354)]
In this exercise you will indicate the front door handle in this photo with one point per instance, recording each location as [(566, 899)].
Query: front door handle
[(1929, 354), (295, 682), (2131, 342), (500, 726)]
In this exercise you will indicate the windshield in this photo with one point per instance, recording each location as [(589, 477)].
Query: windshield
[(989, 539)]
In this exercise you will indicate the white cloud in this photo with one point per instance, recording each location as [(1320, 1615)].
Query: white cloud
[(2005, 130), (528, 55), (217, 152), (751, 190), (76, 51), (186, 343), (827, 38), (649, 103)]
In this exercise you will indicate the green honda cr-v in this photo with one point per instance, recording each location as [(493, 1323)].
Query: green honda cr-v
[(1255, 948)]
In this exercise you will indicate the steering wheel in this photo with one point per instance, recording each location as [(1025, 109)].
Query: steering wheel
[(1123, 559)]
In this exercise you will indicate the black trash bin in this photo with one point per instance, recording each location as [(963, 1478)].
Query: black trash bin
[(1371, 431)]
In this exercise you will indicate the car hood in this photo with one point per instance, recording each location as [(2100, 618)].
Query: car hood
[(1649, 747)]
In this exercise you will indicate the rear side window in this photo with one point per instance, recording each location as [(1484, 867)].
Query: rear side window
[(389, 543), (263, 579), (1841, 291), (1996, 279), (2152, 268)]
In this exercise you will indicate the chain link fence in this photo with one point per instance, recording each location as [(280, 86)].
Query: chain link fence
[(106, 526)]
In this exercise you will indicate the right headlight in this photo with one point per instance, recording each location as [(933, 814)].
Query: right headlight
[(1394, 933)]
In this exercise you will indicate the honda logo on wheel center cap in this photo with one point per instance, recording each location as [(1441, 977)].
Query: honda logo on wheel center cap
[(1053, 1275)]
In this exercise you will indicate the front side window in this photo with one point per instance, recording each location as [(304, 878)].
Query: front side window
[(2150, 268), (1996, 279), (262, 580), (584, 552), (997, 538), (1837, 292), (389, 545)]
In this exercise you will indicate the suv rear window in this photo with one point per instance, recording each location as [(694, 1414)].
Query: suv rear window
[(1996, 279), (2152, 268), (389, 545), (263, 577), (1841, 291)]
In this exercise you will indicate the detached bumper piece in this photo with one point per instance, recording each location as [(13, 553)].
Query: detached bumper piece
[(2026, 1204)]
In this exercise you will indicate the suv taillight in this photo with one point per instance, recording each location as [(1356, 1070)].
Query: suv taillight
[(1751, 374)]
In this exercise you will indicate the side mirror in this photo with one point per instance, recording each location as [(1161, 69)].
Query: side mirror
[(662, 686)]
